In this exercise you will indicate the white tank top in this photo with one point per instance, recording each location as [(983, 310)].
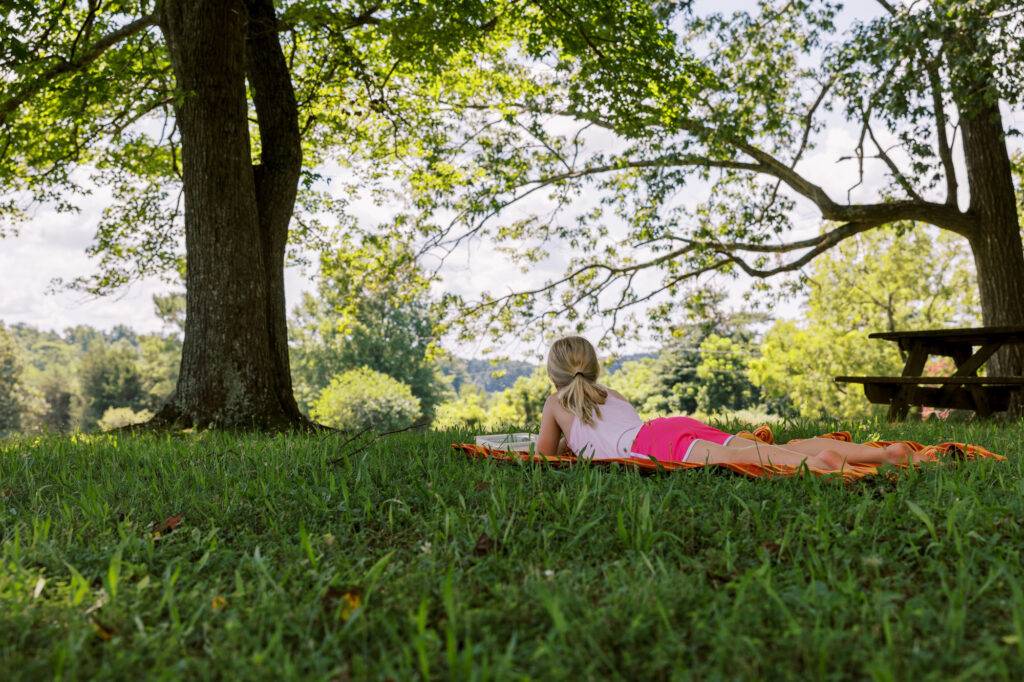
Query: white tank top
[(611, 434)]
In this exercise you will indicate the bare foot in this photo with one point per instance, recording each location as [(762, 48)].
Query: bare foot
[(899, 453)]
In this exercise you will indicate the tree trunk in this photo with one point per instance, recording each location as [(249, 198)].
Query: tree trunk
[(232, 373), (996, 237), (276, 177)]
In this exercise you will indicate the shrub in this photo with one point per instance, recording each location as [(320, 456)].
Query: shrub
[(361, 399), (117, 417), (468, 411)]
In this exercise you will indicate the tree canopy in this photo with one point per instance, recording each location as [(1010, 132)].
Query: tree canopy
[(371, 309), (878, 281), (584, 134)]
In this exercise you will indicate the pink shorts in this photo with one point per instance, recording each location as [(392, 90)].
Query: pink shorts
[(670, 439)]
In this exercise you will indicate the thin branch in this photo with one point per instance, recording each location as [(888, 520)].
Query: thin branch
[(897, 175), (42, 80), (809, 121), (889, 7), (620, 270), (945, 149), (832, 239)]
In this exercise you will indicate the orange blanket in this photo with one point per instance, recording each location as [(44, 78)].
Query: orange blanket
[(763, 434)]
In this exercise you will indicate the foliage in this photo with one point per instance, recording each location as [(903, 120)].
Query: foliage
[(170, 308), (491, 375), (521, 404), (371, 310), (159, 358), (517, 407), (702, 367), (57, 401), (674, 391), (637, 381), (662, 145), (362, 399), (880, 281), (379, 555), (722, 376), (124, 369), (90, 88), (10, 384), (119, 417), (110, 377), (466, 411)]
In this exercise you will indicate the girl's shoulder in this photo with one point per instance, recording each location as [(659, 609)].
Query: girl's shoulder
[(615, 394), (554, 405)]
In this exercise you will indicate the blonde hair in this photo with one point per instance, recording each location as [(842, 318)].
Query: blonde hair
[(573, 367)]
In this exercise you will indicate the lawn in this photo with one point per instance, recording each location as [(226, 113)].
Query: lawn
[(292, 559)]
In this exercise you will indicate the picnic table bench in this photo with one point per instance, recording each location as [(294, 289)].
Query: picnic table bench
[(964, 390)]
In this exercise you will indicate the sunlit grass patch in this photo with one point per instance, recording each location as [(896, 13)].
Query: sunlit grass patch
[(220, 555)]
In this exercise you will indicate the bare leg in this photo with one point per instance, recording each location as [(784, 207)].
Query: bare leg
[(757, 453), (854, 453)]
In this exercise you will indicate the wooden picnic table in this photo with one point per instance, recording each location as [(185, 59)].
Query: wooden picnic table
[(963, 390)]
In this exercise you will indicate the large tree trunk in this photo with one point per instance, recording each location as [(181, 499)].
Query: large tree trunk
[(277, 175), (996, 238), (232, 370)]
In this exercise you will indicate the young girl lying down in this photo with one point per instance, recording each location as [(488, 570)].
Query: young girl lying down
[(591, 420)]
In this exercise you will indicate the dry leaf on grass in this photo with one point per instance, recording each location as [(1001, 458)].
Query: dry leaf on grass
[(218, 603), (344, 601), (167, 525), (484, 545), (102, 631)]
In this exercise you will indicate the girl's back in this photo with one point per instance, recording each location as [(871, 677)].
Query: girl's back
[(610, 435)]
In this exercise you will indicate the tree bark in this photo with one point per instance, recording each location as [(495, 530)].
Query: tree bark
[(995, 238), (276, 177), (232, 372)]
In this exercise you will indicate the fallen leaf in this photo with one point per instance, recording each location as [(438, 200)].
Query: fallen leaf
[(102, 631), (218, 603), (167, 525), (481, 486), (38, 590), (771, 547), (343, 600), (484, 545), (719, 578)]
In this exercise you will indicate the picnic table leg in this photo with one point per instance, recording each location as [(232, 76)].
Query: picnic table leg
[(899, 406), (967, 365)]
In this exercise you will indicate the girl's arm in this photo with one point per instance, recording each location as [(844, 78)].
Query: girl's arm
[(550, 441)]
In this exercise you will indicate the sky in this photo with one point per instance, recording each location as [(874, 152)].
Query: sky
[(52, 246)]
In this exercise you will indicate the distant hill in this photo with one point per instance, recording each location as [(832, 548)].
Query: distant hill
[(617, 364), (491, 377), (497, 376)]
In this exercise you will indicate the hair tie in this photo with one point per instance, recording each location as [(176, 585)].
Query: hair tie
[(578, 374)]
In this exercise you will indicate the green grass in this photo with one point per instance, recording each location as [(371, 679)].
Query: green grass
[(591, 573)]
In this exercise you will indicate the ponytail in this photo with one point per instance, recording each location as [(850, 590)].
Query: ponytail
[(582, 398), (573, 367)]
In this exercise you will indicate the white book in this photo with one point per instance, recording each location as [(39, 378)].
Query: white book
[(519, 442)]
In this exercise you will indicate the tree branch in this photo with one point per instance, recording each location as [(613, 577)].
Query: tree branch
[(40, 81), (896, 174), (945, 151), (831, 239)]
